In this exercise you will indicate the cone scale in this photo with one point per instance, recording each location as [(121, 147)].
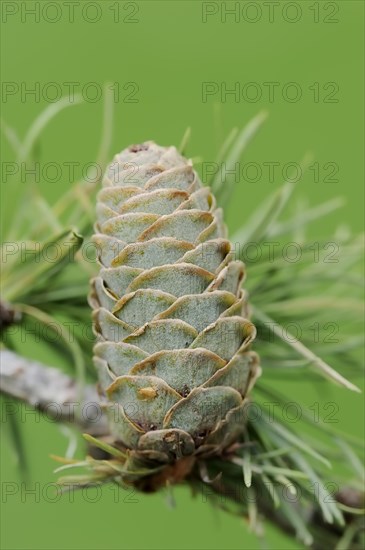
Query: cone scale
[(173, 338)]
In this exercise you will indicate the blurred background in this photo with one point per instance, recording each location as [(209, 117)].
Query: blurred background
[(210, 66)]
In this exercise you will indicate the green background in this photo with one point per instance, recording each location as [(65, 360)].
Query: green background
[(169, 52)]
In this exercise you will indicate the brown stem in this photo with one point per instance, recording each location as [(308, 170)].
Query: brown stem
[(7, 316), (324, 535)]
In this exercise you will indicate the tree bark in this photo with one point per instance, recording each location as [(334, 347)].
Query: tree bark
[(50, 390)]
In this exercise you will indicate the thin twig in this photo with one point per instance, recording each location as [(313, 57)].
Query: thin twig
[(50, 390)]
